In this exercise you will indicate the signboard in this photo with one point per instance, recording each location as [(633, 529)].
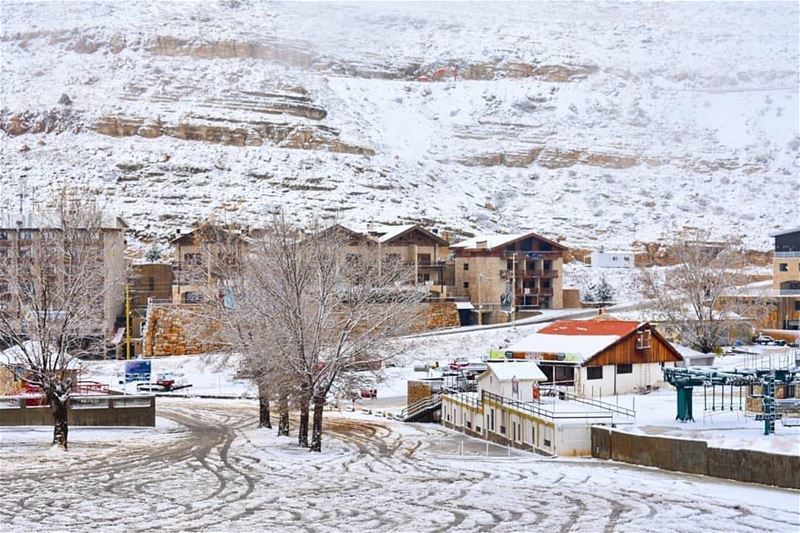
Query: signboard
[(497, 355), (562, 357), (137, 370), (500, 355)]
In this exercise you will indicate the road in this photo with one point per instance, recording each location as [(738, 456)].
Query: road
[(547, 315), (210, 469)]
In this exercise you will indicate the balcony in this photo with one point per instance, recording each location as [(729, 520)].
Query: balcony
[(533, 254), (787, 255), (529, 274)]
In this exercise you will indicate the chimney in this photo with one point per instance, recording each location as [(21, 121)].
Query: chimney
[(482, 244)]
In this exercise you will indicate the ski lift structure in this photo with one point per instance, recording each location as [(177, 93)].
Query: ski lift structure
[(740, 386)]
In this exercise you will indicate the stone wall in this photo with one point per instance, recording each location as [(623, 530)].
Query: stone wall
[(439, 315), (418, 390), (180, 329), (696, 457)]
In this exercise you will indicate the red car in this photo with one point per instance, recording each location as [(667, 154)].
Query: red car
[(368, 393)]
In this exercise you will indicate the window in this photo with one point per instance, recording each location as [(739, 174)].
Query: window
[(3, 235), (466, 284), (614, 258), (191, 259), (783, 267), (624, 369), (594, 372), (26, 235), (466, 266), (797, 305), (628, 259)]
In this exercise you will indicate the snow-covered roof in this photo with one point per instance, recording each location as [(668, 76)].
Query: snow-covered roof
[(688, 352), (38, 221), (496, 240), (387, 233), (615, 252), (521, 370), (581, 347), (784, 232), (492, 241)]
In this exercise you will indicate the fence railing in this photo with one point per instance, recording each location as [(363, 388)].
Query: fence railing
[(420, 406), (98, 401), (566, 395), (542, 409)]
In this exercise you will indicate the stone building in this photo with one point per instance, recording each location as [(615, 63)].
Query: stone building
[(505, 274)]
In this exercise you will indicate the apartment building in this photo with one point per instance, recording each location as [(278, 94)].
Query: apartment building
[(786, 278), (20, 237), (505, 274)]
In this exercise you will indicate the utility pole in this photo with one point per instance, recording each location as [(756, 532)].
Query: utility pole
[(480, 305), (513, 289), (127, 321)]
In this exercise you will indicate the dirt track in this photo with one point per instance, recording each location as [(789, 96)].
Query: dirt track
[(214, 470)]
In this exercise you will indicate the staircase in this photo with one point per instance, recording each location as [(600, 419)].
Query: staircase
[(422, 410)]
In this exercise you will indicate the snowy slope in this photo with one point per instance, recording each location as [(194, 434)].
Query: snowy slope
[(590, 123)]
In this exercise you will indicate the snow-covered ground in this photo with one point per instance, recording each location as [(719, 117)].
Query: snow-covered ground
[(597, 124), (213, 470), (209, 374)]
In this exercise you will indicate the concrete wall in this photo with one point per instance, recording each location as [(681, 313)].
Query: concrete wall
[(696, 457), (128, 411), (571, 298), (520, 430)]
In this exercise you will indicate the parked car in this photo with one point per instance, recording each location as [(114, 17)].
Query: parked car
[(766, 340), (459, 363), (368, 393)]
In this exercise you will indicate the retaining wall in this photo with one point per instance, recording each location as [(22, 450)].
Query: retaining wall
[(125, 411), (696, 457)]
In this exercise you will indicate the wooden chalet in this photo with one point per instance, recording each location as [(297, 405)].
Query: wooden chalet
[(599, 357)]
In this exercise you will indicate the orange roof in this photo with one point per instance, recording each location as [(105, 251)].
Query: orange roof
[(620, 328)]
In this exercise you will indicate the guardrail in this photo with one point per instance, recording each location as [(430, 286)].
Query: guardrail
[(421, 406), (101, 400), (591, 401), (541, 409)]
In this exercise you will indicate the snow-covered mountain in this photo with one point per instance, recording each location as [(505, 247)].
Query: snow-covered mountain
[(593, 123)]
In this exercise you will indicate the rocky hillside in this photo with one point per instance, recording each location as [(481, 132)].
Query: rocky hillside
[(596, 124)]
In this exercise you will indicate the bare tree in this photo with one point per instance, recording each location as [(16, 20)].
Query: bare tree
[(53, 267), (327, 308), (695, 295)]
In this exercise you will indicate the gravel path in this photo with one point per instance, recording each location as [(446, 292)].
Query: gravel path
[(212, 470)]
